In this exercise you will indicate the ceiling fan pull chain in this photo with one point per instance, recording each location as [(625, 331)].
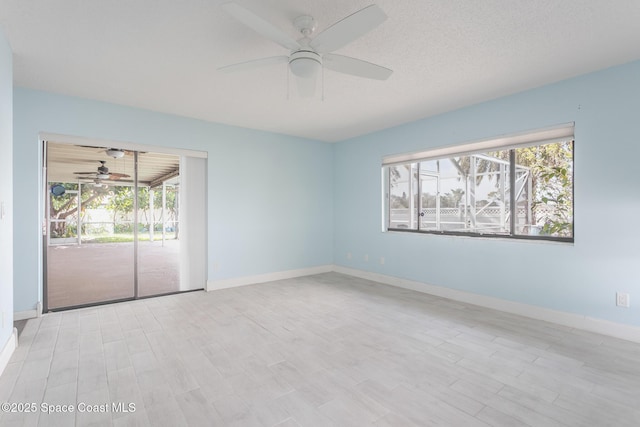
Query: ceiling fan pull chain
[(322, 83), (288, 73)]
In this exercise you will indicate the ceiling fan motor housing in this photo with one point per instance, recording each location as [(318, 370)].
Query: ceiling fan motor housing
[(103, 171), (305, 24), (305, 63)]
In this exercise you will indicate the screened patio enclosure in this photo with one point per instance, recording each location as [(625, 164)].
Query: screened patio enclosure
[(108, 216), (468, 194)]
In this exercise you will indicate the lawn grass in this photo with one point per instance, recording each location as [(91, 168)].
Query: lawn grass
[(124, 238)]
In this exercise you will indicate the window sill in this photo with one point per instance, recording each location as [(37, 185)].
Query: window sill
[(504, 238)]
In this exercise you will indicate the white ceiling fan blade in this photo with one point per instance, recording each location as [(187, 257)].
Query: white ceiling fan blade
[(260, 25), (356, 67), (306, 86), (255, 63), (348, 29)]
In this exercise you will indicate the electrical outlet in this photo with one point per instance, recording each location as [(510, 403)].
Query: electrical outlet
[(366, 257), (381, 260), (348, 255), (622, 300)]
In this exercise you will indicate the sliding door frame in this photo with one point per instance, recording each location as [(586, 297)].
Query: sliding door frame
[(44, 137)]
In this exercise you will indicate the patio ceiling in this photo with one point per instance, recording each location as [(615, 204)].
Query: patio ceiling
[(63, 160)]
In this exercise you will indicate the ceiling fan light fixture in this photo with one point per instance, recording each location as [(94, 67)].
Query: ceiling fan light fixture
[(305, 64), (102, 176), (115, 153)]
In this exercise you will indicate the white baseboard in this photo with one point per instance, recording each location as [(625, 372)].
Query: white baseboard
[(213, 285), (577, 321), (23, 315), (7, 351), (28, 314)]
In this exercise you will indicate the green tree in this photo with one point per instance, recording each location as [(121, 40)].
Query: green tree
[(120, 202), (428, 200), (396, 201), (483, 166), (452, 199), (551, 171), (66, 205), (399, 202), (144, 203), (552, 183)]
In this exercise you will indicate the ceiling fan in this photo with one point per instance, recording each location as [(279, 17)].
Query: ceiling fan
[(309, 55), (103, 173), (116, 153)]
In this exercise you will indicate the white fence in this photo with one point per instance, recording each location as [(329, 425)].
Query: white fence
[(493, 219)]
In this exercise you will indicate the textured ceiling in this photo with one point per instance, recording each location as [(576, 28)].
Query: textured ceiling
[(162, 55)]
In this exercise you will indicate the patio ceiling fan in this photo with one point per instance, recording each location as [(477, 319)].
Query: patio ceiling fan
[(309, 55), (103, 173), (116, 153)]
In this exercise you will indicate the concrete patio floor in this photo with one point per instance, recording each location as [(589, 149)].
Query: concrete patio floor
[(100, 272)]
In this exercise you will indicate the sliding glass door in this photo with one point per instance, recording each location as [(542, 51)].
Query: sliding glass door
[(121, 227), (90, 247), (158, 230)]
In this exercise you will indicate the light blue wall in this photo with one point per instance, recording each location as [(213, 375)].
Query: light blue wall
[(580, 278), (279, 203), (6, 191), (269, 196)]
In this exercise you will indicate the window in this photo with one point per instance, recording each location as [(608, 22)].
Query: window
[(516, 186)]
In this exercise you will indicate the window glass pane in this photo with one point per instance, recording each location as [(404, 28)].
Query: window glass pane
[(63, 213), (473, 193), (413, 209), (525, 221), (453, 193), (545, 203), (489, 193), (402, 196), (430, 197), (108, 218)]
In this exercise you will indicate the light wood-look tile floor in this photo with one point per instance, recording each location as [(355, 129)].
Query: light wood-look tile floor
[(318, 351)]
